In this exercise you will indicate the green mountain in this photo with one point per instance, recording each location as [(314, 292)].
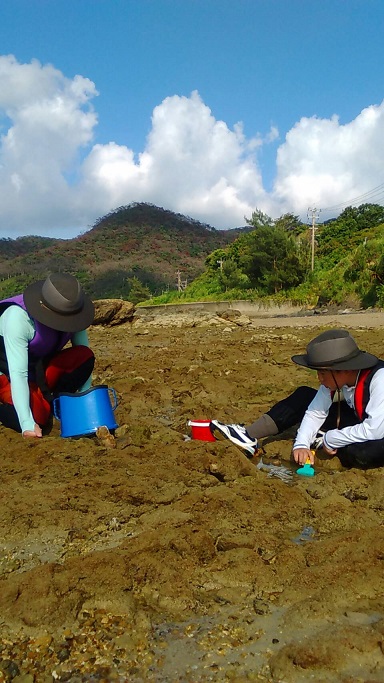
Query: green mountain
[(136, 246)]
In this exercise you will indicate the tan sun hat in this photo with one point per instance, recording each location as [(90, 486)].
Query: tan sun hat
[(60, 303), (335, 350)]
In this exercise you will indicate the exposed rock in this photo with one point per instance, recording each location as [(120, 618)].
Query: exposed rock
[(113, 312), (168, 558), (243, 321), (105, 438), (180, 320), (230, 314)]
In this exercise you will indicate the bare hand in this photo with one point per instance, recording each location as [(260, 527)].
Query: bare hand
[(329, 451), (302, 455), (35, 433)]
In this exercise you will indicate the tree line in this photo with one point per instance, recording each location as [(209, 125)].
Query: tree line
[(274, 260)]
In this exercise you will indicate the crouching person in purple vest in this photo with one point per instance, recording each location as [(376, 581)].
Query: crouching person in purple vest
[(352, 429), (34, 365)]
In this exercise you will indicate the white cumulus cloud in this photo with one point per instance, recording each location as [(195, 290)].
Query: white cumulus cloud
[(324, 163), (45, 119), (192, 164), (55, 181)]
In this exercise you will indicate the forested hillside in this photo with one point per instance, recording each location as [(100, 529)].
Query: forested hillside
[(133, 252), (141, 252), (343, 264)]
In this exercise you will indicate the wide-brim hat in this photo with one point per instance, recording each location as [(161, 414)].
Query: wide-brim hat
[(60, 303), (335, 350)]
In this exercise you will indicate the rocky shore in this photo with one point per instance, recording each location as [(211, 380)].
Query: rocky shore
[(166, 559)]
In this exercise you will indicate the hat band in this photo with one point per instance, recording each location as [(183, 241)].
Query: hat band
[(325, 363)]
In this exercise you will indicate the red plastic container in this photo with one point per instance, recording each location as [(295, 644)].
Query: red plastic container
[(200, 430)]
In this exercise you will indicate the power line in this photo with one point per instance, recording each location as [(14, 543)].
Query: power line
[(371, 193), (376, 191)]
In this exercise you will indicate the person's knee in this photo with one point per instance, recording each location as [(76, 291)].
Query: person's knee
[(290, 410), (365, 455), (305, 392)]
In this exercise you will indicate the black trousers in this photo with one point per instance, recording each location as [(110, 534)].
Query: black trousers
[(290, 411)]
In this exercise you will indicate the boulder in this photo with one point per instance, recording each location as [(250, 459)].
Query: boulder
[(235, 316), (243, 321), (230, 314), (113, 312)]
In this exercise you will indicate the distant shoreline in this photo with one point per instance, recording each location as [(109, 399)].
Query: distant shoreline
[(362, 319), (273, 315)]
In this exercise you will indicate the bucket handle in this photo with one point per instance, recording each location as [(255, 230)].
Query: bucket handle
[(56, 408), (115, 401), (56, 403)]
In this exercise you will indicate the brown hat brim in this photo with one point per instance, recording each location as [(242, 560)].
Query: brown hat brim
[(71, 322), (361, 361)]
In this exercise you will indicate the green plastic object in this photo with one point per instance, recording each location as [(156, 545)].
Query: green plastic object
[(307, 470)]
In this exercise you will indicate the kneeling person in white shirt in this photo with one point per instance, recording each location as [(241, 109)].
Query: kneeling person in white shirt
[(352, 429)]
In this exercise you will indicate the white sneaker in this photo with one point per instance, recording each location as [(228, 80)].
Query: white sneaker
[(235, 433), (318, 440)]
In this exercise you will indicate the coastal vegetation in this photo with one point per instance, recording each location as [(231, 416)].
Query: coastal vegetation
[(279, 261), (147, 254)]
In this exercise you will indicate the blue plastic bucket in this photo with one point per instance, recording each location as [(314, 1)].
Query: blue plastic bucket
[(83, 413)]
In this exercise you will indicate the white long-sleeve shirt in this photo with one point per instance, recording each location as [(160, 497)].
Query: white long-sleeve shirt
[(17, 329), (370, 429)]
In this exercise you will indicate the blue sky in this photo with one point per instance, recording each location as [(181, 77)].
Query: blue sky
[(210, 108)]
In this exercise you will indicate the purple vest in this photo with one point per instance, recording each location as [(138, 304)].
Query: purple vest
[(46, 340)]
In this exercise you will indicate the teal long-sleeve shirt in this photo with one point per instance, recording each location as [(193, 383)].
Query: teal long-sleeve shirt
[(17, 329)]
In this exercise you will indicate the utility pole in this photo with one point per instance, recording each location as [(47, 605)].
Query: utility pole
[(313, 214), (181, 284), (220, 261)]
